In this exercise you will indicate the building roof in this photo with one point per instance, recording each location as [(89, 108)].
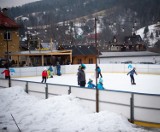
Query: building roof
[(128, 54), (134, 39), (6, 22), (82, 50)]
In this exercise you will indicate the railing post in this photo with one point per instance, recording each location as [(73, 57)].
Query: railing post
[(97, 99), (9, 82), (69, 90), (26, 87), (132, 108), (46, 91)]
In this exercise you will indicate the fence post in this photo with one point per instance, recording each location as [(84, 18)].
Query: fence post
[(132, 108), (69, 90), (46, 91), (26, 87)]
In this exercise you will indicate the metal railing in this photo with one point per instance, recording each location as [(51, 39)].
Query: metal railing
[(129, 104)]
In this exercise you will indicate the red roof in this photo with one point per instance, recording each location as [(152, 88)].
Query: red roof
[(7, 22)]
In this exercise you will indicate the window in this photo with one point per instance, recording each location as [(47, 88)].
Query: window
[(7, 36), (90, 60)]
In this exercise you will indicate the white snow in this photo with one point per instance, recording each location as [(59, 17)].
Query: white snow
[(58, 114), (152, 29)]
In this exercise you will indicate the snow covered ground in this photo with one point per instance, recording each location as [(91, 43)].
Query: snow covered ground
[(146, 83), (57, 114), (152, 29)]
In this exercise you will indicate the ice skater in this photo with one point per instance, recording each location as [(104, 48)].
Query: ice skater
[(98, 72), (100, 84), (90, 84), (79, 68), (50, 72), (132, 72), (6, 73), (44, 75), (82, 76), (58, 69)]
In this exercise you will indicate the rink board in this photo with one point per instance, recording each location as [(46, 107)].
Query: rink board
[(70, 69)]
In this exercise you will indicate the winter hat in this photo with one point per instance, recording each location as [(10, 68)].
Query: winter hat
[(90, 80), (83, 66), (100, 80), (45, 68)]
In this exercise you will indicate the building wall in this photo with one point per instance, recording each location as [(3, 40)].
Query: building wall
[(84, 59), (13, 44)]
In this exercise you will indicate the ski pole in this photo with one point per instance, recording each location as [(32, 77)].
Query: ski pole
[(16, 123)]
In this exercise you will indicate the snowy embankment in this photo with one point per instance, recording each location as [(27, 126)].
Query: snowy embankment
[(58, 114)]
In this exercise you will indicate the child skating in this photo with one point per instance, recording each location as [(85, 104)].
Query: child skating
[(44, 75), (90, 84)]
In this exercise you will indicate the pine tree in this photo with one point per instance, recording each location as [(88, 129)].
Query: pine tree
[(157, 35), (146, 30), (152, 36)]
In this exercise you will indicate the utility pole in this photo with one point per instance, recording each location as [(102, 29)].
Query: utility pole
[(7, 38), (97, 91)]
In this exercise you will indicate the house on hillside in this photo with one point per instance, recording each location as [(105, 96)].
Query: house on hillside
[(131, 43), (9, 36), (83, 54), (134, 43)]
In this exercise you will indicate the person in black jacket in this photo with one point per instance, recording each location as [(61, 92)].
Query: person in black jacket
[(82, 76)]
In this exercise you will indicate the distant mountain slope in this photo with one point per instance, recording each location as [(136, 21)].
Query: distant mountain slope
[(14, 3)]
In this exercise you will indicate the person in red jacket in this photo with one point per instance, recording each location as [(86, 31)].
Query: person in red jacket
[(44, 75), (6, 72)]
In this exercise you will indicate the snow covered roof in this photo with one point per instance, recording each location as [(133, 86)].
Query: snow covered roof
[(126, 54)]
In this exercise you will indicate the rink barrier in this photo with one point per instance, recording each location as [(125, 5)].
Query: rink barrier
[(140, 108), (90, 68)]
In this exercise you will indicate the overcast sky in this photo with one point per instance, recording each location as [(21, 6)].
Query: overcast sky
[(10, 3)]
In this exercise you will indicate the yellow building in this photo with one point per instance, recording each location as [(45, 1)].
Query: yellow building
[(9, 36)]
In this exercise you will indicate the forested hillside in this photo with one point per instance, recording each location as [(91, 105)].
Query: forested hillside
[(116, 17)]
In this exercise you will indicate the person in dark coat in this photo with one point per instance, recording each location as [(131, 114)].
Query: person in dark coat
[(44, 75), (79, 68), (82, 76), (6, 72), (58, 69), (98, 72), (132, 72)]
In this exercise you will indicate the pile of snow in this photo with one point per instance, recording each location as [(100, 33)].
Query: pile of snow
[(58, 114), (152, 29)]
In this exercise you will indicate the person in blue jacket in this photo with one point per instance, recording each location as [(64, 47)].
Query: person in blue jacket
[(98, 72), (58, 69), (132, 72), (90, 84), (100, 84)]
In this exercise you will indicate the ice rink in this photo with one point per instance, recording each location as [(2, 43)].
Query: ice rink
[(145, 83)]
